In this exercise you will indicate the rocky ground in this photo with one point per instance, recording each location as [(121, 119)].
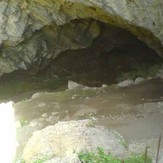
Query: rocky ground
[(54, 126), (130, 112)]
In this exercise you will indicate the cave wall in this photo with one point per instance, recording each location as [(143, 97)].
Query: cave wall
[(114, 53), (28, 27), (44, 45)]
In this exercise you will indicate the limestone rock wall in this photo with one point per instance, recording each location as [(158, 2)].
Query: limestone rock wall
[(38, 51), (30, 33)]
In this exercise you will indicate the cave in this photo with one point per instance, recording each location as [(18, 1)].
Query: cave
[(114, 55), (89, 52), (69, 68)]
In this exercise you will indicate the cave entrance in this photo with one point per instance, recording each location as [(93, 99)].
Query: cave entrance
[(115, 55)]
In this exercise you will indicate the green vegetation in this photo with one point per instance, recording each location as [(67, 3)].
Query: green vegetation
[(19, 160), (23, 121), (41, 160), (120, 139), (102, 157)]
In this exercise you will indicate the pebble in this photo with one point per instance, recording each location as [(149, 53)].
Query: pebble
[(41, 105), (104, 86), (139, 80), (54, 113), (33, 124), (44, 115), (126, 83)]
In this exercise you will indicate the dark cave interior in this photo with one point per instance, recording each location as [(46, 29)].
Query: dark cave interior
[(115, 55)]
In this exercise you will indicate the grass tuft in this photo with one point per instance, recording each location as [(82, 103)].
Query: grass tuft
[(102, 157)]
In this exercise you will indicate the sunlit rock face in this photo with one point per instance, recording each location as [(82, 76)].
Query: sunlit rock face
[(36, 31), (67, 138)]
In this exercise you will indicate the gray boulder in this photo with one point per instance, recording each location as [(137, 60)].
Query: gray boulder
[(62, 140)]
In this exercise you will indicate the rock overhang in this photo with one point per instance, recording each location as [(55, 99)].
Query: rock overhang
[(21, 20)]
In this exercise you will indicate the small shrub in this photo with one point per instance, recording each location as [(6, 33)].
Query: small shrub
[(102, 157)]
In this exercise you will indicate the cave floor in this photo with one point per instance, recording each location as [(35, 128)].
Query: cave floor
[(136, 112)]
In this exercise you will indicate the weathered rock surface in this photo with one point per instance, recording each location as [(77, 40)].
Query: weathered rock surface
[(139, 80), (74, 85), (44, 45), (136, 112), (126, 83), (73, 158), (65, 138), (30, 34)]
